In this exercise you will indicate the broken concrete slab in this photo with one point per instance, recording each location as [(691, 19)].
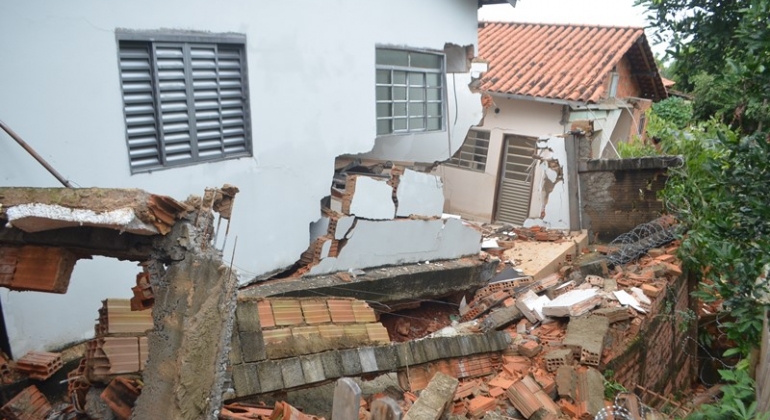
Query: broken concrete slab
[(627, 300), (590, 390), (566, 382), (370, 198), (585, 336), (435, 399), (531, 305), (573, 303), (500, 318), (125, 210), (347, 400), (419, 194)]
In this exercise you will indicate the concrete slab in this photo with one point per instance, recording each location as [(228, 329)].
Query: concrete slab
[(372, 199), (573, 303), (540, 259), (403, 241), (419, 194), (390, 285)]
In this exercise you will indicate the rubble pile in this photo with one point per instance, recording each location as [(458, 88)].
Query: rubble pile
[(520, 346)]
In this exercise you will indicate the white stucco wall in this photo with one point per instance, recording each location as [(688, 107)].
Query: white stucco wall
[(472, 194), (312, 98)]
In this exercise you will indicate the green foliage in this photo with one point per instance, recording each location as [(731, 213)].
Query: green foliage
[(611, 388), (738, 402), (721, 50), (635, 148), (675, 110), (720, 195)]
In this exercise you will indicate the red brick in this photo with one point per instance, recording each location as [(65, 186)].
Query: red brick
[(29, 404), (120, 395), (36, 268)]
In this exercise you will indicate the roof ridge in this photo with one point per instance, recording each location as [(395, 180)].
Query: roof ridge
[(580, 25)]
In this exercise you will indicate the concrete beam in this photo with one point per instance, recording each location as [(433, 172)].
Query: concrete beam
[(387, 284)]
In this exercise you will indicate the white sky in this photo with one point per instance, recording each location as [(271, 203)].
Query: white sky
[(596, 12)]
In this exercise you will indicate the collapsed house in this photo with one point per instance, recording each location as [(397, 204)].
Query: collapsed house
[(177, 101), (504, 342)]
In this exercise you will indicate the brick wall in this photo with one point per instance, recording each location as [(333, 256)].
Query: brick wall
[(627, 85), (619, 194), (662, 359)]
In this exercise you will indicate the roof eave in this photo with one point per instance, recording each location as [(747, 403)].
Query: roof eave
[(490, 2)]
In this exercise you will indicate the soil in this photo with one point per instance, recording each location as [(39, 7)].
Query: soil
[(411, 324)]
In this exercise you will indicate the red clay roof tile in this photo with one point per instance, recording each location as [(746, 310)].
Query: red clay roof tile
[(563, 62)]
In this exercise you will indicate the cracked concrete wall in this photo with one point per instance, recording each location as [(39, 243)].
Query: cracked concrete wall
[(549, 205), (472, 193), (312, 98)]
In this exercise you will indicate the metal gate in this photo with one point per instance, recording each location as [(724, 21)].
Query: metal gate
[(515, 191)]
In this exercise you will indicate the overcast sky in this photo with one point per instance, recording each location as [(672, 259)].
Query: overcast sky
[(597, 12)]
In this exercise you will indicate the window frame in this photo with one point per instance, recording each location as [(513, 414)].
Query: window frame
[(443, 107), (473, 165), (154, 38)]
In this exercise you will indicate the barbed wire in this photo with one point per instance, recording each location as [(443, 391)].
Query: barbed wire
[(634, 244)]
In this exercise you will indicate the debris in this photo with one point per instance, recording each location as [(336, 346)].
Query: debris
[(39, 365), (347, 400), (528, 397), (585, 336), (435, 399), (36, 268), (120, 395), (29, 404), (625, 299), (573, 303)]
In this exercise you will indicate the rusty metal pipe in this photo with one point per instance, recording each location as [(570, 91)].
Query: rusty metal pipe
[(35, 155)]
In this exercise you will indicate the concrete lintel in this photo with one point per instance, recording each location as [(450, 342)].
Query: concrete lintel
[(387, 284)]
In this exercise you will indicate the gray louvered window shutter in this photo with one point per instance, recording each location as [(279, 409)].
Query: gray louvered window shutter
[(139, 105), (199, 103)]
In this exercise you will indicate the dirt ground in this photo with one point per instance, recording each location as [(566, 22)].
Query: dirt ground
[(410, 324)]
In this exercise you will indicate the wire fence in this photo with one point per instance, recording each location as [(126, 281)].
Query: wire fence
[(634, 244)]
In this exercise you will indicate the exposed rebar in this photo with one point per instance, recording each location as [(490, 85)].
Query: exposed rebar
[(35, 155)]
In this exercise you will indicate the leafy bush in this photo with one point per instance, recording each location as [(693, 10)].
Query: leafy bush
[(738, 402), (636, 148), (720, 195), (676, 110)]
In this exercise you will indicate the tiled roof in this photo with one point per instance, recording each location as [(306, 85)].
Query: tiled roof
[(564, 62)]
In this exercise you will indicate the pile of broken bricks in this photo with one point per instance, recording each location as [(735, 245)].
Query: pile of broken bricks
[(559, 326), (115, 358)]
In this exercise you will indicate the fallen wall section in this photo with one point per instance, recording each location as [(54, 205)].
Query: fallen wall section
[(193, 316)]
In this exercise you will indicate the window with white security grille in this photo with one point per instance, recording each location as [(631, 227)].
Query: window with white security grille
[(185, 99), (410, 91), (473, 153)]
